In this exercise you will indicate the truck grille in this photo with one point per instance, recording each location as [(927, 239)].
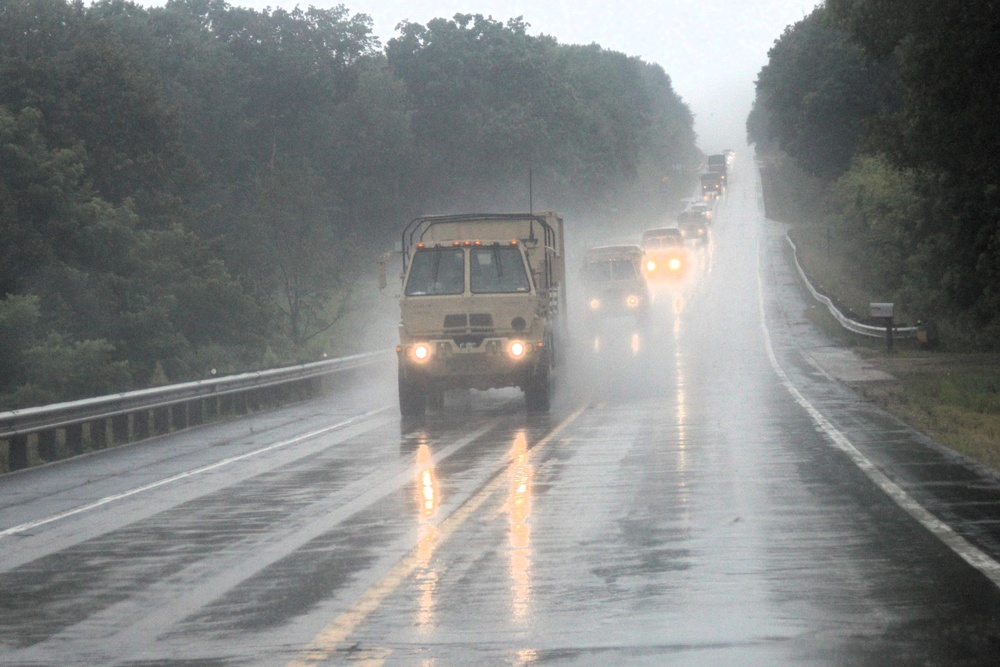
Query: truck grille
[(456, 321), (479, 322)]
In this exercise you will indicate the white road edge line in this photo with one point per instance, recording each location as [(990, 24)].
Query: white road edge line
[(965, 549), (190, 473)]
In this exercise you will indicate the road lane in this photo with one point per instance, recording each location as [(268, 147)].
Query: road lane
[(678, 506)]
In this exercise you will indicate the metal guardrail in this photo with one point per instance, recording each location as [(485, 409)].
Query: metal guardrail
[(846, 322), (37, 435)]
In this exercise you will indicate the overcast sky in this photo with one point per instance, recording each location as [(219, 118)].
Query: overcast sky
[(712, 49)]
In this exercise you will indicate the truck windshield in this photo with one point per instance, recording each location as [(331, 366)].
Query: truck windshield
[(664, 241), (436, 271), (611, 270), (497, 269)]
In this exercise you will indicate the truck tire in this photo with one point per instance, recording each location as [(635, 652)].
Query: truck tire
[(537, 390), (412, 399)]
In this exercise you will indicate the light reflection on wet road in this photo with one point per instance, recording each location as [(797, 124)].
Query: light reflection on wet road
[(676, 507)]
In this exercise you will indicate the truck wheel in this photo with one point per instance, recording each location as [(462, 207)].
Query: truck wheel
[(536, 391), (412, 399)]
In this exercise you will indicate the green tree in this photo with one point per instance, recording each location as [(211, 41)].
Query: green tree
[(19, 329), (62, 370), (305, 256), (949, 53), (816, 93), (39, 188), (490, 101)]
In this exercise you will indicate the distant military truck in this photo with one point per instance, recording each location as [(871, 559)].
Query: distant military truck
[(711, 186), (482, 306), (614, 284), (693, 225), (666, 257), (718, 164)]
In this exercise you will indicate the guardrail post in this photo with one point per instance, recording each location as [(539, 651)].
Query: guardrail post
[(59, 443), (87, 437)]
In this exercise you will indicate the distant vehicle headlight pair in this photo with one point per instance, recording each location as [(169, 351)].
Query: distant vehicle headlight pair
[(674, 264)]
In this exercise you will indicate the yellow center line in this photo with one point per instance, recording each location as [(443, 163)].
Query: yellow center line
[(336, 633)]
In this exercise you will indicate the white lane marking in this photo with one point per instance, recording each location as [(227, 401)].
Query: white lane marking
[(968, 551), (184, 475)]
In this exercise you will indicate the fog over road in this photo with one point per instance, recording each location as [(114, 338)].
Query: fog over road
[(704, 492)]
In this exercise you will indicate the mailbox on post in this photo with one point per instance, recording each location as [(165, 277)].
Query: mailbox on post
[(883, 311)]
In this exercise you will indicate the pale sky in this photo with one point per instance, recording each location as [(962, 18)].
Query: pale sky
[(712, 49)]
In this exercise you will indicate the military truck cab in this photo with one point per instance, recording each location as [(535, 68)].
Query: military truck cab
[(614, 283), (481, 306)]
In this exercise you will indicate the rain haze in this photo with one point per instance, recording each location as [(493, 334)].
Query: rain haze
[(474, 354), (711, 50)]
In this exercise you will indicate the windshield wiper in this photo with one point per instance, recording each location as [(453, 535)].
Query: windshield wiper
[(437, 264), (496, 259)]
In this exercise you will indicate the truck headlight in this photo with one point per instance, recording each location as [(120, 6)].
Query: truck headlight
[(421, 352), (517, 349), (632, 300), (675, 264), (651, 266), (595, 304)]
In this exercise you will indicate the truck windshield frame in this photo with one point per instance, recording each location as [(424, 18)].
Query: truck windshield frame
[(497, 269), (611, 270), (436, 271)]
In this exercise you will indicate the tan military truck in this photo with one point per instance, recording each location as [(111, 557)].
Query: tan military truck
[(482, 306)]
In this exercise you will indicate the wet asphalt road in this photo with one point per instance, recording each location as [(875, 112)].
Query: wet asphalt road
[(704, 492)]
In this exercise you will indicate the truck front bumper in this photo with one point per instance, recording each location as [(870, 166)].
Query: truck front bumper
[(492, 363)]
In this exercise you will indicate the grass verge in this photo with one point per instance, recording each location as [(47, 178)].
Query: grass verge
[(953, 398)]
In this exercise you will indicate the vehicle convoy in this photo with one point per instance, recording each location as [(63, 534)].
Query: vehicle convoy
[(711, 186), (482, 306), (717, 165), (665, 255), (693, 225), (702, 207), (614, 282)]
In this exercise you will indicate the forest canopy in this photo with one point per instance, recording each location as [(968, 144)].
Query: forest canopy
[(198, 186), (891, 105)]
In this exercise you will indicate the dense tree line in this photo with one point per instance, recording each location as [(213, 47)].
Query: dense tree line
[(891, 105), (196, 186)]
